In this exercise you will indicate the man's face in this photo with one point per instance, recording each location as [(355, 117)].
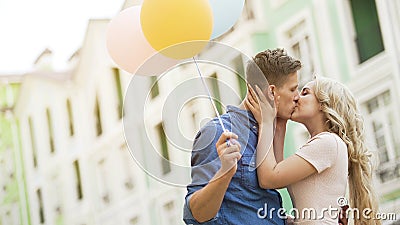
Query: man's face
[(289, 95)]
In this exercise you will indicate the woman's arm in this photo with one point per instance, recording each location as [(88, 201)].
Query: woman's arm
[(271, 172)]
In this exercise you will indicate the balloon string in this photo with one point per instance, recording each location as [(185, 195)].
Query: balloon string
[(209, 95)]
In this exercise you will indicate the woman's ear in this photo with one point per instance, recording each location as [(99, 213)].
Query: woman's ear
[(321, 106)]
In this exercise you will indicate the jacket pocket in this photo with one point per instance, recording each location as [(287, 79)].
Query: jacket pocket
[(248, 171)]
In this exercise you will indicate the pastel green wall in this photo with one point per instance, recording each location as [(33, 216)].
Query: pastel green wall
[(6, 144), (276, 17), (342, 57), (9, 135)]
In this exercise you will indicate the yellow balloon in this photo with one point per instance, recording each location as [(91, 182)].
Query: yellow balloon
[(177, 23)]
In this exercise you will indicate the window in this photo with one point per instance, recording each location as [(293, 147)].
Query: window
[(240, 75), (102, 179), (381, 115), (195, 120), (213, 84), (79, 192), (54, 189), (3, 96), (33, 142), (165, 164), (70, 118), (118, 86), (7, 163), (51, 132), (3, 182), (127, 167), (9, 214), (154, 87), (97, 114), (41, 209), (9, 94), (134, 221), (368, 37), (170, 213), (300, 47)]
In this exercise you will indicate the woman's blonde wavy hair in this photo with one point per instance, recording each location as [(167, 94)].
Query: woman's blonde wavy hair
[(344, 119)]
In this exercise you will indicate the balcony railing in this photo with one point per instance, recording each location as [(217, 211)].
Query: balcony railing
[(389, 171)]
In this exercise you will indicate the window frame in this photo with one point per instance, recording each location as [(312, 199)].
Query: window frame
[(348, 33), (381, 114), (292, 22)]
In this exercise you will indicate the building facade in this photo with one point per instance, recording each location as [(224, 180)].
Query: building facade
[(77, 130)]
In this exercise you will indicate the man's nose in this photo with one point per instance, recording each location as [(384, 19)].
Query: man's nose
[(296, 97)]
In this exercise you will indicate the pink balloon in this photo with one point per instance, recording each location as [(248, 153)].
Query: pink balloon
[(126, 43)]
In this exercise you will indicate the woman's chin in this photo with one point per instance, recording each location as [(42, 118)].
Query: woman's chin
[(294, 117)]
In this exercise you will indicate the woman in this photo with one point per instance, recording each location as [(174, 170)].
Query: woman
[(316, 176)]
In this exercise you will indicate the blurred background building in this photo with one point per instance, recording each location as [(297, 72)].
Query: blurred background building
[(63, 154), (13, 203)]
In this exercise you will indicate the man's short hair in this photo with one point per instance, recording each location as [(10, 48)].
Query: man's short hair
[(274, 64)]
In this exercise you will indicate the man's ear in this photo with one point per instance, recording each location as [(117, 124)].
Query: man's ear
[(272, 88)]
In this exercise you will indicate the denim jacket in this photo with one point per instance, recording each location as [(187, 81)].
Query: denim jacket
[(244, 201)]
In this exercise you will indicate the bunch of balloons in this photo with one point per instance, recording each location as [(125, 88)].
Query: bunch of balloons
[(178, 29)]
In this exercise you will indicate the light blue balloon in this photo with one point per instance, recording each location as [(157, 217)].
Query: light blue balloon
[(225, 13)]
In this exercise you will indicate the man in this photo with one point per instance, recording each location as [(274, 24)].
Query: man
[(224, 188)]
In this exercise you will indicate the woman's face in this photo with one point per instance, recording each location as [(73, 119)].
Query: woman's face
[(308, 107)]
